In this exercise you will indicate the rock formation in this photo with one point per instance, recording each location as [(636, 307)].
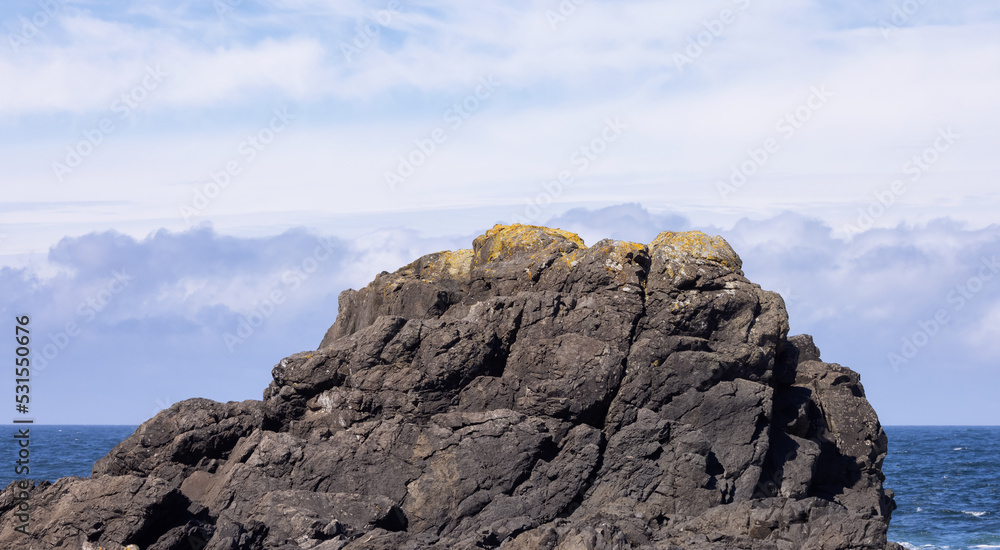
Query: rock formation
[(529, 393)]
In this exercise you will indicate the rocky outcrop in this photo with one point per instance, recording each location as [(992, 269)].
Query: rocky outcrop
[(529, 393)]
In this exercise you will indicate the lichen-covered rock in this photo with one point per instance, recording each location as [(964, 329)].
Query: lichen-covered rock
[(529, 393)]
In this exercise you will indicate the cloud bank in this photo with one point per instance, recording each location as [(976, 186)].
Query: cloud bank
[(125, 326)]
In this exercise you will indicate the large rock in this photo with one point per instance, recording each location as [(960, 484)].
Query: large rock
[(528, 393)]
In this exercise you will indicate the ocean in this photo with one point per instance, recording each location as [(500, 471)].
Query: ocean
[(59, 451), (946, 479), (947, 484)]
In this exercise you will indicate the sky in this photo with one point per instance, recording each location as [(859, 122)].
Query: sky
[(186, 187)]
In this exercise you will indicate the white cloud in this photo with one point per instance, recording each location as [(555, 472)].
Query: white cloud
[(50, 75), (687, 129)]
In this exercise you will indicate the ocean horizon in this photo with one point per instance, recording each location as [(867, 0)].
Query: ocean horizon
[(944, 477)]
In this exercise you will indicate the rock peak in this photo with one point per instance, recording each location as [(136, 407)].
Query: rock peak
[(530, 392), (504, 240)]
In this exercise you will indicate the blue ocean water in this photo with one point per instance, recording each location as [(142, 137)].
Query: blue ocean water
[(58, 451), (946, 479), (947, 485)]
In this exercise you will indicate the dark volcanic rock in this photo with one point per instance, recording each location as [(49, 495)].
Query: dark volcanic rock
[(530, 393)]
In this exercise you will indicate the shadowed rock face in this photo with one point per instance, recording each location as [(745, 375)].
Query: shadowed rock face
[(529, 393)]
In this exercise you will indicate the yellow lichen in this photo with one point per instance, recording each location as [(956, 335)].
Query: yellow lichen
[(502, 240), (457, 263), (697, 245), (618, 253), (529, 233), (430, 269)]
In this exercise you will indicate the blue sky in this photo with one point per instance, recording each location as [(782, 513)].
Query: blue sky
[(170, 170)]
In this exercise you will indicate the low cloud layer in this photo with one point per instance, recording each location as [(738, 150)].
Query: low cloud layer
[(123, 327), (915, 309)]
